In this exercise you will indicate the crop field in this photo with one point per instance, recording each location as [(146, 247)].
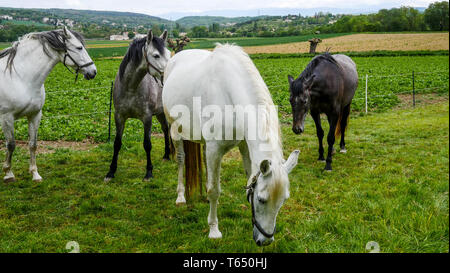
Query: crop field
[(365, 42)]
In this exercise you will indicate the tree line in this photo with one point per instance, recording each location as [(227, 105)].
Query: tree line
[(434, 18)]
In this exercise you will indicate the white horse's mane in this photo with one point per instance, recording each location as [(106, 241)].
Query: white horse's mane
[(261, 92)]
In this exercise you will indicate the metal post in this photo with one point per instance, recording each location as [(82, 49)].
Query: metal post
[(367, 82), (414, 89), (110, 107)]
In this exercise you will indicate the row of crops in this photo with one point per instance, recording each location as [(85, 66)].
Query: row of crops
[(80, 111)]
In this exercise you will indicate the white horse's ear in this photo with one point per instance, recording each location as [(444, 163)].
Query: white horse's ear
[(164, 35), (66, 32), (149, 36), (292, 161), (265, 167)]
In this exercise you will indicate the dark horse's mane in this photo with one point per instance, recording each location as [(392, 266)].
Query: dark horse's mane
[(306, 74), (54, 39), (134, 53)]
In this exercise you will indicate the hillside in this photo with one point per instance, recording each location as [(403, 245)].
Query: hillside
[(105, 18), (192, 21)]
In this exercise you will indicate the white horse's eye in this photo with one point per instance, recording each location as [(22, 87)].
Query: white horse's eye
[(261, 200), (80, 48), (156, 56)]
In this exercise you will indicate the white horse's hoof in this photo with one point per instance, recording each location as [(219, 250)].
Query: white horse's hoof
[(180, 201), (37, 178), (215, 234), (9, 179), (343, 151), (107, 179)]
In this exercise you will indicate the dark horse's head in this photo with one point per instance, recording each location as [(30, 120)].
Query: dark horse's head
[(300, 99), (308, 85)]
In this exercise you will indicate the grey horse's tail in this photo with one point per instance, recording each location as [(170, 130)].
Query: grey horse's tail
[(193, 167)]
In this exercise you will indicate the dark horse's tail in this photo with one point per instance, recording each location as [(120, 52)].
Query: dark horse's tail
[(193, 167), (343, 116)]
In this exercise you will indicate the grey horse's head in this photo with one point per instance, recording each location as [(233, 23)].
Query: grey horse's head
[(148, 53), (156, 54)]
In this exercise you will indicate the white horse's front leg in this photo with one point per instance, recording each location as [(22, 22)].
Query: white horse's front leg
[(33, 126), (180, 159), (213, 160), (8, 130)]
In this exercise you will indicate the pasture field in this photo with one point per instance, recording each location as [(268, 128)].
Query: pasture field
[(392, 187), (68, 107)]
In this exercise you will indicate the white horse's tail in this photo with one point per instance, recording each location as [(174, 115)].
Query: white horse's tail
[(193, 167)]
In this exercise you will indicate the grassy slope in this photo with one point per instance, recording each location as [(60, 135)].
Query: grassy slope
[(392, 187)]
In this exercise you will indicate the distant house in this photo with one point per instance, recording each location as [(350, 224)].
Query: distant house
[(6, 17), (122, 37), (45, 20), (69, 22), (139, 36)]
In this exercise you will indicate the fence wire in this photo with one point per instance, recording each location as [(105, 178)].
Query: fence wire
[(107, 87)]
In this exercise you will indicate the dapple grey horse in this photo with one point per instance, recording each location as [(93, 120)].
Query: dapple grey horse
[(137, 94)]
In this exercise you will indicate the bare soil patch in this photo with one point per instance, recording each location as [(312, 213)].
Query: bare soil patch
[(48, 147), (364, 42), (406, 100)]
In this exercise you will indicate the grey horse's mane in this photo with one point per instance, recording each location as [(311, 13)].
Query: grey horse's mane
[(134, 53), (325, 57), (306, 74), (53, 39)]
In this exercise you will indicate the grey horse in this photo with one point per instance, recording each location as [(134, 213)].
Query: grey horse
[(327, 85), (138, 94)]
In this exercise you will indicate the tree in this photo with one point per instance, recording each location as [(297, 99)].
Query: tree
[(436, 16), (131, 35)]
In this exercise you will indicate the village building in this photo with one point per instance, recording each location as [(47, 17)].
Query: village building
[(122, 37)]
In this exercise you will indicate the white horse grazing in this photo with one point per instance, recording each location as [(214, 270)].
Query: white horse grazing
[(200, 84), (23, 70)]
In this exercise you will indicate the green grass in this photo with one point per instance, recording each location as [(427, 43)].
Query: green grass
[(392, 188)]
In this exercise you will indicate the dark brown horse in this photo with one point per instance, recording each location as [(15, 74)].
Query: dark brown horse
[(327, 85)]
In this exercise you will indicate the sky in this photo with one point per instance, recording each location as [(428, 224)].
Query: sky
[(174, 8)]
